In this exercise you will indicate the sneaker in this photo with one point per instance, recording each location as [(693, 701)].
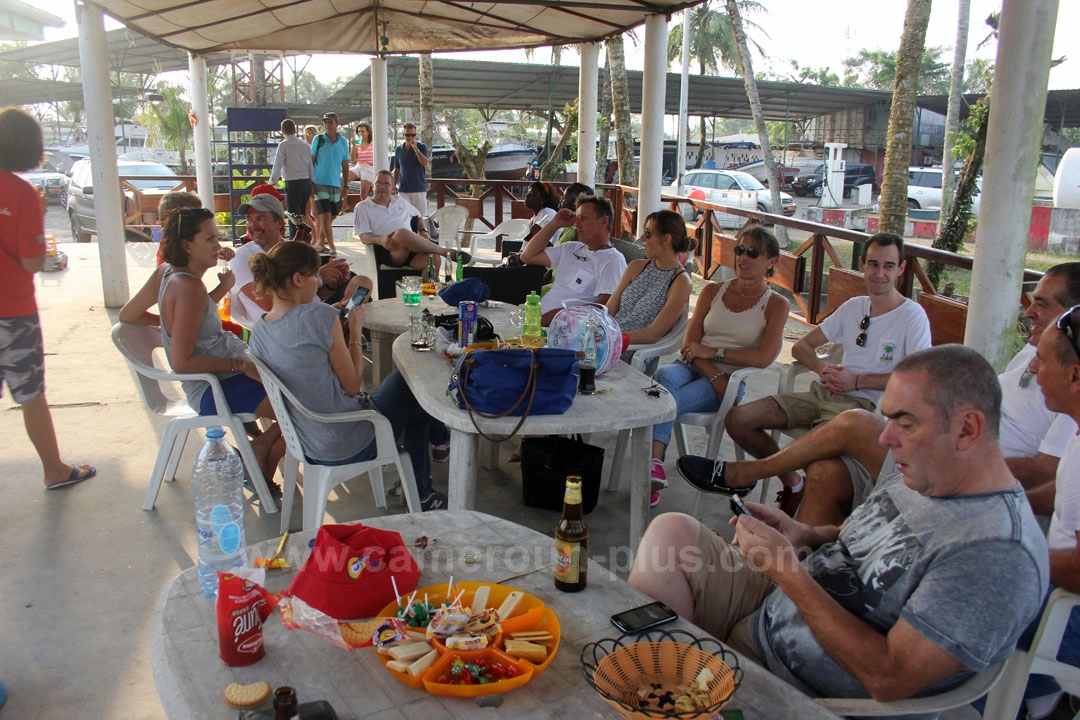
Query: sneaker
[(789, 501), (654, 498), (435, 501), (708, 475), (658, 477), (440, 453)]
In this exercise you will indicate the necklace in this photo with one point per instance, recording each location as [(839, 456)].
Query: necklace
[(755, 295)]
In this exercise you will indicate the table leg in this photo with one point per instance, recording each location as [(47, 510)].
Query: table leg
[(382, 355), (489, 454), (640, 446), (462, 495)]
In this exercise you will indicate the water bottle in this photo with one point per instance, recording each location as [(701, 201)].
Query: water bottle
[(531, 326), (217, 481)]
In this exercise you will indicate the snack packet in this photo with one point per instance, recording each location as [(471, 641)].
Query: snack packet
[(242, 606)]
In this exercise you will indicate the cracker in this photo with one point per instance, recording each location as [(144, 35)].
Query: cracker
[(526, 650), (358, 634), (244, 697)]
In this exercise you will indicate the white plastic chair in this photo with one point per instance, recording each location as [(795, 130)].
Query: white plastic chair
[(1041, 658), (448, 222), (512, 229), (643, 353), (967, 692), (319, 480), (137, 344)]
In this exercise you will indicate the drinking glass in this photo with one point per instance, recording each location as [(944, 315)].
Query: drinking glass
[(410, 289), (421, 332)]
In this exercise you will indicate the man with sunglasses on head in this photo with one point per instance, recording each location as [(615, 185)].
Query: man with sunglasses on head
[(411, 161), (877, 331)]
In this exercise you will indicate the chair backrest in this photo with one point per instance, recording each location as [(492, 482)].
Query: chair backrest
[(512, 229), (137, 344), (448, 220), (670, 342), (509, 284), (280, 399)]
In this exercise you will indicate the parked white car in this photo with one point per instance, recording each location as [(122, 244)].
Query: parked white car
[(924, 190), (727, 187)]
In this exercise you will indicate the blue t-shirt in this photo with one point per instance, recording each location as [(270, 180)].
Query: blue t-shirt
[(412, 176), (330, 156)]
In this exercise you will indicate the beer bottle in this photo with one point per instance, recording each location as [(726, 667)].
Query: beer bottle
[(431, 275), (571, 541), (286, 706)]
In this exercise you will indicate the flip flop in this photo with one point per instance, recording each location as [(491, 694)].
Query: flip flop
[(74, 477)]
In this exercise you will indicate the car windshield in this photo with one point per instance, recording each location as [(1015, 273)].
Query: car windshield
[(150, 170), (748, 182)]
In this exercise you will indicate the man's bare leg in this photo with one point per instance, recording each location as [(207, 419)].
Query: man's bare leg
[(326, 229), (39, 428), (828, 489), (661, 569), (749, 426)]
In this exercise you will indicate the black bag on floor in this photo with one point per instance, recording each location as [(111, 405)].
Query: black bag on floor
[(545, 463)]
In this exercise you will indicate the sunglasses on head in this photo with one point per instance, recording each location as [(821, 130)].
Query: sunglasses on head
[(751, 252), (1064, 324), (864, 326)]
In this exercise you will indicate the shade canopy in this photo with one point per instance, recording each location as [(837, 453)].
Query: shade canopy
[(380, 26), (16, 91)]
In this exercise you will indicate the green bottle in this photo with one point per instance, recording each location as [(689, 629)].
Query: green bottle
[(431, 276), (459, 271)]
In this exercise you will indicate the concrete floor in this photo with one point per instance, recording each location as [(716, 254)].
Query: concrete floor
[(86, 565)]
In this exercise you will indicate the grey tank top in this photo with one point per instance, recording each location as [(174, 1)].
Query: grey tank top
[(213, 341), (645, 297)]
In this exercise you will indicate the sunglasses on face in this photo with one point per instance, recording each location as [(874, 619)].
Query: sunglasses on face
[(864, 326), (410, 134), (1064, 324), (750, 252)]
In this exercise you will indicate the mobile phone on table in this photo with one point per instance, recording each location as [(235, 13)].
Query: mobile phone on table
[(357, 297), (738, 507), (644, 617)]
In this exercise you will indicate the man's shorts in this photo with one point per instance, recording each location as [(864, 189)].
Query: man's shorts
[(241, 392), (810, 409), (327, 200), (861, 481), (727, 591), (22, 358)]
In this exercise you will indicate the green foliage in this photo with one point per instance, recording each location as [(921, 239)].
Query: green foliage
[(964, 139), (877, 69), (712, 42), (823, 77)]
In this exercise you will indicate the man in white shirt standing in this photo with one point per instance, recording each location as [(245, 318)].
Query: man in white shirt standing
[(587, 268), (293, 163)]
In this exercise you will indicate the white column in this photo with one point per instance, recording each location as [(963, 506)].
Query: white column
[(653, 88), (97, 96), (684, 97), (204, 128), (1016, 126), (589, 53), (380, 128)]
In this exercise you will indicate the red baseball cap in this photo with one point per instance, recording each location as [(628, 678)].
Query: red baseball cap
[(266, 189)]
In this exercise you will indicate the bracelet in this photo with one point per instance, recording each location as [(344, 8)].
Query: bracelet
[(856, 382), (356, 342), (713, 378)]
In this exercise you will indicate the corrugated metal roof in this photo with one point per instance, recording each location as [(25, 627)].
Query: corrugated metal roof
[(27, 92), (1062, 106)]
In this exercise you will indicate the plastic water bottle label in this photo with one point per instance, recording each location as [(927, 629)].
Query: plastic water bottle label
[(219, 517), (229, 538)]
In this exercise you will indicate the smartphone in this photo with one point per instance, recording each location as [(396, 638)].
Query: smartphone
[(739, 507), (357, 298), (641, 618)]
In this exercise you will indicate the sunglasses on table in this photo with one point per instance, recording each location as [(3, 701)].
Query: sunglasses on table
[(750, 252), (1064, 324), (864, 326)]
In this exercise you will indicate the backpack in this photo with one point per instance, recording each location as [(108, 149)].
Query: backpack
[(318, 147)]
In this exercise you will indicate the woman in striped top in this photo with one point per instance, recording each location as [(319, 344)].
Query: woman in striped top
[(363, 158)]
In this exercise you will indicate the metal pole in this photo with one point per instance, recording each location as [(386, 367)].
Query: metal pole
[(101, 136), (200, 105), (1013, 135), (653, 90), (587, 75)]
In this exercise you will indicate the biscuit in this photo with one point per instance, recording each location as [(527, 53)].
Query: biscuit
[(358, 634), (243, 697), (526, 650)]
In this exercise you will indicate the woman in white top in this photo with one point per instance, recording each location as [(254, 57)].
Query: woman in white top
[(362, 155), (736, 323)]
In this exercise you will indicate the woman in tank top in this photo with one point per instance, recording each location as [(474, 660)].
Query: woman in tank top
[(363, 159), (736, 323), (191, 332), (652, 293)]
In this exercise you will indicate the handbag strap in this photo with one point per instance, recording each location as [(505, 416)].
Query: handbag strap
[(530, 390)]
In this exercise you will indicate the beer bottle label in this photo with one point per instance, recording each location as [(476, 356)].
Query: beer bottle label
[(567, 561)]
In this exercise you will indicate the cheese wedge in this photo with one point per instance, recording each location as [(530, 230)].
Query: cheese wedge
[(399, 666), (423, 663), (480, 599), (510, 604), (409, 651), (526, 650)]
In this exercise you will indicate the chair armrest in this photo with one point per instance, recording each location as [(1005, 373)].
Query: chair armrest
[(790, 371), (966, 692), (1055, 619)]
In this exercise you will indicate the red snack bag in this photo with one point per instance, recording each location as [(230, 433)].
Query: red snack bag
[(242, 606)]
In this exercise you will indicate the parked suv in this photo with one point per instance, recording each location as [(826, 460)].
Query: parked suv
[(924, 189), (46, 181), (80, 192), (813, 182), (711, 183)]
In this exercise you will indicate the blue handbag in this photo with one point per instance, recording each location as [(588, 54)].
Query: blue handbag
[(517, 382)]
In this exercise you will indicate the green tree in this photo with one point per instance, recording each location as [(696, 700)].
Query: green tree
[(620, 102), (169, 118), (952, 118), (877, 69)]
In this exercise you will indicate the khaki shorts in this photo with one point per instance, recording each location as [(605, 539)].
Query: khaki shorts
[(727, 592), (861, 482), (809, 409)]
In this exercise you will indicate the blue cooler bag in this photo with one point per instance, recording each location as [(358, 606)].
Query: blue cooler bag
[(515, 382)]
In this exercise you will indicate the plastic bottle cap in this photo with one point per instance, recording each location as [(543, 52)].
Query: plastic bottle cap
[(214, 432)]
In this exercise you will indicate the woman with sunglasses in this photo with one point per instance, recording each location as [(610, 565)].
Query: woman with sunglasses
[(303, 343), (191, 332), (736, 323), (363, 159)]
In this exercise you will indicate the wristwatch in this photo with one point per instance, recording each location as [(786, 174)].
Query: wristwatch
[(720, 355)]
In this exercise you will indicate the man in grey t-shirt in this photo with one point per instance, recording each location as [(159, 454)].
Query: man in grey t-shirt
[(931, 579)]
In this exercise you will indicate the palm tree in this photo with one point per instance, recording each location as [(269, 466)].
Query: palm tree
[(427, 102), (712, 45), (893, 210), (620, 101), (952, 118), (171, 118)]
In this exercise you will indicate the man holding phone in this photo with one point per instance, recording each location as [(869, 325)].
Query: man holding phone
[(932, 578)]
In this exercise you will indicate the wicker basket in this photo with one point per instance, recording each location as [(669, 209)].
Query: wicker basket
[(649, 674)]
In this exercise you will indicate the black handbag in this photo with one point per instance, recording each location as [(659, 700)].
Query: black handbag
[(545, 463)]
